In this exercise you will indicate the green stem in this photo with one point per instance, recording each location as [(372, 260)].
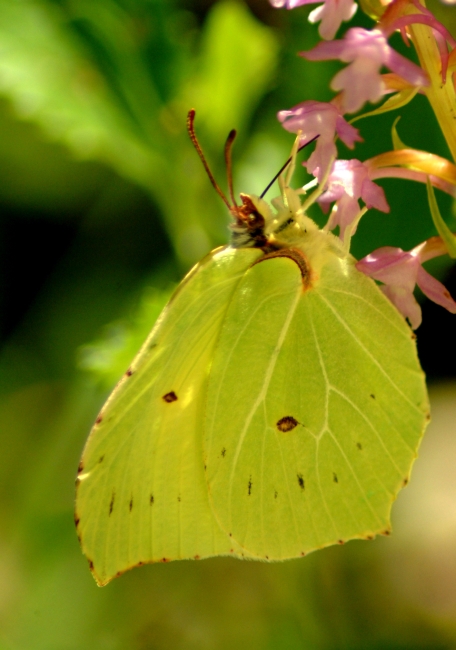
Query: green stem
[(442, 97)]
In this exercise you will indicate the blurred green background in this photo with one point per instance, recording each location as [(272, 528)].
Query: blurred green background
[(104, 207)]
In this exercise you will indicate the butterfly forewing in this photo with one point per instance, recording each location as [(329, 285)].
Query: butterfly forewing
[(142, 495), (329, 406)]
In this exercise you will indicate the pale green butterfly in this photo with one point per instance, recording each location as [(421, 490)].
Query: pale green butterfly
[(276, 407)]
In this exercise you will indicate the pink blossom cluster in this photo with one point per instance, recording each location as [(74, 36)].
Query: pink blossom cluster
[(344, 183)]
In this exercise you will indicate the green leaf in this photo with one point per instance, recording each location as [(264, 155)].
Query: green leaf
[(238, 61), (397, 142), (108, 357), (398, 100), (443, 230), (46, 73)]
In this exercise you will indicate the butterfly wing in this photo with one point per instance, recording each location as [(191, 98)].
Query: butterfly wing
[(316, 406), (142, 495)]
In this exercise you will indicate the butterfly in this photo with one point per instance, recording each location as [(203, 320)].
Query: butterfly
[(275, 408)]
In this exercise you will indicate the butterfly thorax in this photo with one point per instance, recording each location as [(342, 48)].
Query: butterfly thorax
[(288, 232)]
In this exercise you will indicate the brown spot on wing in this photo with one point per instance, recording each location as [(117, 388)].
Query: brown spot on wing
[(170, 397), (287, 423), (301, 482)]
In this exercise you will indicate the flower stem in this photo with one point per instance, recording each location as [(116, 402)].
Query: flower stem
[(441, 96)]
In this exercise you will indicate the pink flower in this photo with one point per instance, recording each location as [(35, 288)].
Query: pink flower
[(322, 119), (400, 271), (366, 51), (397, 17), (331, 13), (349, 181)]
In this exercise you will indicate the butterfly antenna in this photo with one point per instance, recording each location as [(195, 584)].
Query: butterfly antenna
[(268, 187), (196, 144), (228, 162)]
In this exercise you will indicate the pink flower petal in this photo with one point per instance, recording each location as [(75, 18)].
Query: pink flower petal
[(405, 302), (332, 13), (393, 266), (360, 81), (405, 68), (347, 133), (325, 120), (366, 51), (374, 196), (324, 51), (400, 271), (435, 290)]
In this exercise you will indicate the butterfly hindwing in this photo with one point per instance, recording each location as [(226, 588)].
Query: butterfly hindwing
[(316, 405)]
